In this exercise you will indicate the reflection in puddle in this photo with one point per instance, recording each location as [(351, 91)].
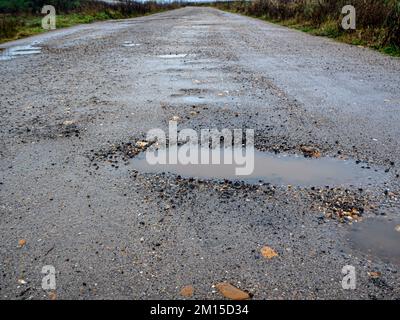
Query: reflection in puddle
[(377, 238), (270, 168), (12, 52)]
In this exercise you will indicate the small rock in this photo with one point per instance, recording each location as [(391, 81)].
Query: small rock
[(310, 152), (21, 243), (374, 274), (397, 228), (68, 122), (142, 144), (175, 118), (268, 252)]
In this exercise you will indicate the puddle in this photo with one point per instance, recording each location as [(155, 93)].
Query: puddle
[(192, 100), (377, 238), (129, 44), (197, 100), (9, 53), (172, 56), (271, 168)]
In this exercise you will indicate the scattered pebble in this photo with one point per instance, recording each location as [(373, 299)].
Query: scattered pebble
[(310, 152)]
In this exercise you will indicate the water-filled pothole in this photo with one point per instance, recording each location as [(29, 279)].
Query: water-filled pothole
[(12, 52), (277, 169), (377, 238)]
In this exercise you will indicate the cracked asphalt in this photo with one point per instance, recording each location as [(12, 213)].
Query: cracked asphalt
[(70, 114)]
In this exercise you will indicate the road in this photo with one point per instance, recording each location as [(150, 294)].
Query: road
[(68, 114)]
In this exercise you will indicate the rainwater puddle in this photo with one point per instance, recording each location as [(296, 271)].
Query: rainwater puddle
[(172, 56), (193, 100), (377, 238), (130, 44), (269, 168), (9, 53)]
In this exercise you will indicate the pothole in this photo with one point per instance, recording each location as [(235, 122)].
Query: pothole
[(377, 238), (12, 52), (277, 169)]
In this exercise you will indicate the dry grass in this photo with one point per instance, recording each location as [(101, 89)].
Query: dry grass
[(378, 21)]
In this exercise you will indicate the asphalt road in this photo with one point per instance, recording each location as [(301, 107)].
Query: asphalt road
[(68, 114)]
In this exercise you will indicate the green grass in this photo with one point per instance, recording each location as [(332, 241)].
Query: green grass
[(25, 26), (30, 25), (391, 50)]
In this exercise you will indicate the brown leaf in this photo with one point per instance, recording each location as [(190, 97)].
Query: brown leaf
[(231, 292), (187, 291), (268, 252)]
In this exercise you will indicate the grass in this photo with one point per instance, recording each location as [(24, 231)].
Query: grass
[(25, 26), (21, 26)]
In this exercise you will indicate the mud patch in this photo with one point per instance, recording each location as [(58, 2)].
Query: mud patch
[(377, 238), (38, 128)]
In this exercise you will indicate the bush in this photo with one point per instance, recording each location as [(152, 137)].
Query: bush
[(8, 26)]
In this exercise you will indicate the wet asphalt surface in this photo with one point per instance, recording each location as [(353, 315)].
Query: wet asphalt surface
[(69, 118)]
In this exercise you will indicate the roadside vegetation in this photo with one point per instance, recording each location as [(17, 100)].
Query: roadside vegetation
[(378, 21), (22, 18)]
